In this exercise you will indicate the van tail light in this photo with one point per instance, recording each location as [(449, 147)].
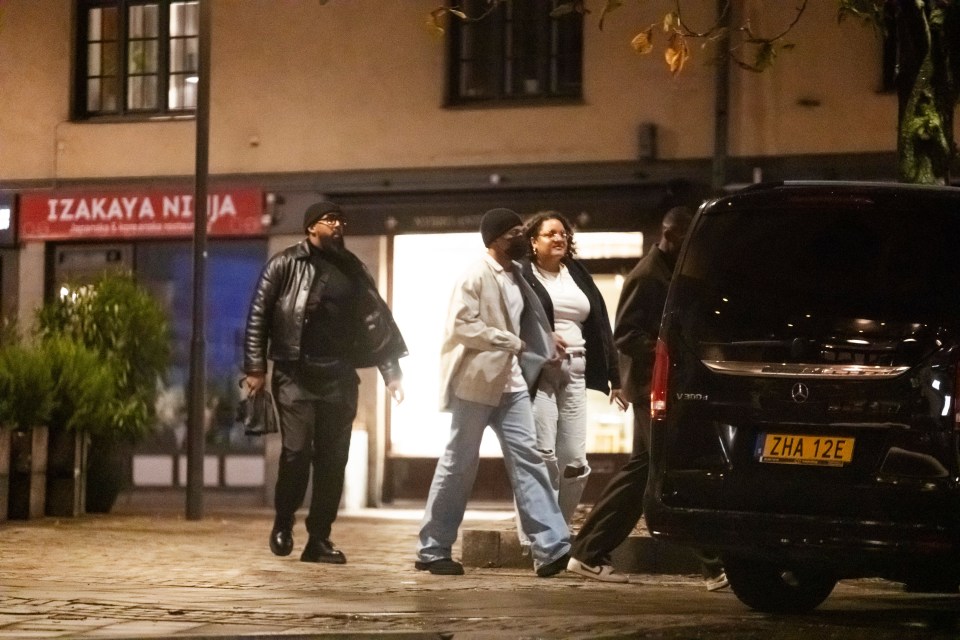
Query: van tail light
[(956, 398), (658, 385)]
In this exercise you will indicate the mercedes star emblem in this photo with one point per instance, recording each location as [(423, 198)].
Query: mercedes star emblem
[(800, 392)]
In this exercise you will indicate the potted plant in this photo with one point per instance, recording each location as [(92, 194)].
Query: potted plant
[(127, 328), (83, 393), (26, 403)]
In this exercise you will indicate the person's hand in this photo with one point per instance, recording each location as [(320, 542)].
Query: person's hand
[(559, 347), (616, 395), (396, 391), (255, 383)]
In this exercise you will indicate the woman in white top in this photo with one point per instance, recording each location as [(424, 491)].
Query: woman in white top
[(579, 316)]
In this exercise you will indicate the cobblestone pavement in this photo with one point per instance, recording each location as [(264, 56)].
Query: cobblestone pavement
[(158, 575)]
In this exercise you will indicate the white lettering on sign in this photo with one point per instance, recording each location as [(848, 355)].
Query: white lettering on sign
[(134, 209)]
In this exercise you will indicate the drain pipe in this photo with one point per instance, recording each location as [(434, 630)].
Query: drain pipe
[(721, 104)]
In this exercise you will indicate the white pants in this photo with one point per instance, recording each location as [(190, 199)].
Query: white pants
[(560, 417)]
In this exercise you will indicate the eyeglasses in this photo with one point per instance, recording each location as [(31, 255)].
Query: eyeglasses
[(332, 222), (554, 234)]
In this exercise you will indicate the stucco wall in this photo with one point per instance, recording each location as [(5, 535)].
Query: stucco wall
[(300, 86)]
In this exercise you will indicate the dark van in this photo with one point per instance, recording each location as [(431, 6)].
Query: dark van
[(806, 423)]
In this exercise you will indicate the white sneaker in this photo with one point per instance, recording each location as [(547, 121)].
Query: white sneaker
[(720, 582), (603, 572)]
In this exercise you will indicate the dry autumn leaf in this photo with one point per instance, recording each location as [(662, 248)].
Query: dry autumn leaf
[(643, 42), (677, 53)]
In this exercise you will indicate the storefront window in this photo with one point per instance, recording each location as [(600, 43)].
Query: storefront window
[(425, 270), (166, 269)]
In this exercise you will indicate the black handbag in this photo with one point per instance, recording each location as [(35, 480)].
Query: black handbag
[(257, 414)]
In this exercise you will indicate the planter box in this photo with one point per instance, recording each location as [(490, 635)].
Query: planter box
[(28, 473), (4, 472), (66, 473)]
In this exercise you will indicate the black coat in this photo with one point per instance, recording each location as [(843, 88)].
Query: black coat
[(639, 312), (601, 373), (278, 309)]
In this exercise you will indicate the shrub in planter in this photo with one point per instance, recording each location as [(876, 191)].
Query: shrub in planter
[(83, 391), (26, 387), (127, 329), (26, 403)]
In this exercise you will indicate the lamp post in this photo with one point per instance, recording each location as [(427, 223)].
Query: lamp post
[(198, 374)]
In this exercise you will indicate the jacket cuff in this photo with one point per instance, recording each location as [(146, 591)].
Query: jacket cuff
[(390, 371)]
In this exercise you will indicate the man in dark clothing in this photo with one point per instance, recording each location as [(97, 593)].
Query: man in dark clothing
[(317, 315), (639, 310)]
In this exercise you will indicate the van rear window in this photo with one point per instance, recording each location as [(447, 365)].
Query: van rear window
[(861, 283)]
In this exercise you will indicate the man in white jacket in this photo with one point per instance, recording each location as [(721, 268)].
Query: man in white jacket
[(497, 339)]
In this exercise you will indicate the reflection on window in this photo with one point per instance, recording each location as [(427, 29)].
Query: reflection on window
[(137, 57)]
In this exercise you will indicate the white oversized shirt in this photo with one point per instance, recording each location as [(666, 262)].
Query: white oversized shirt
[(513, 300), (570, 305)]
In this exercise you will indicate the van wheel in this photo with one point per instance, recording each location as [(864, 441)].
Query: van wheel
[(772, 588)]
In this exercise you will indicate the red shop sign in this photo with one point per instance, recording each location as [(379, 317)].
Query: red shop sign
[(125, 214)]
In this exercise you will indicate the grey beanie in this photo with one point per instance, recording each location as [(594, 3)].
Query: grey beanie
[(497, 222), (317, 210)]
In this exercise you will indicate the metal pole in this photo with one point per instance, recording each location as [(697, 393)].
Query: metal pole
[(198, 374), (721, 104)]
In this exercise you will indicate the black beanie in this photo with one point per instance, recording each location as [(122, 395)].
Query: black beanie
[(317, 210), (497, 222)]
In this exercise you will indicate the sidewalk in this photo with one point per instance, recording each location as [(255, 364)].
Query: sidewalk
[(154, 575)]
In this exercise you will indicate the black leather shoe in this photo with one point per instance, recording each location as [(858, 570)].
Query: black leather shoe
[(553, 568), (441, 567), (281, 542), (320, 550)]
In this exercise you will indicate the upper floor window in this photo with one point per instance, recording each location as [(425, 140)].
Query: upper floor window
[(517, 53), (136, 57)]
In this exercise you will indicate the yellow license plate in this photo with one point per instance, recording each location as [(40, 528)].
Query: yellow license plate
[(805, 449)]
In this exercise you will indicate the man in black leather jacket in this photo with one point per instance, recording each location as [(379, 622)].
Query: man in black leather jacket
[(317, 315)]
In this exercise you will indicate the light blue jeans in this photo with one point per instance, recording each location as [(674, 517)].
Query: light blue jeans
[(535, 498), (560, 417)]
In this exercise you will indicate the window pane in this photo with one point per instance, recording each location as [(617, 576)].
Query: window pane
[(94, 18), (528, 41), (182, 93), (93, 94), (109, 61), (144, 21), (142, 92), (93, 59), (101, 95), (184, 19), (142, 57), (479, 52), (184, 54), (151, 56), (109, 18)]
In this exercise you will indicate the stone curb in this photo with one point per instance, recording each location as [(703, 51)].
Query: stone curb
[(499, 548)]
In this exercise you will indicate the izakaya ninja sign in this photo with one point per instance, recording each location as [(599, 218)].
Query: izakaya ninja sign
[(95, 215)]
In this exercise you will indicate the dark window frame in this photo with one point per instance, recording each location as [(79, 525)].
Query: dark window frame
[(121, 50), (553, 61)]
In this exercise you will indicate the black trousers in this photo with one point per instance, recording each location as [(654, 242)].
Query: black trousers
[(316, 408), (620, 506)]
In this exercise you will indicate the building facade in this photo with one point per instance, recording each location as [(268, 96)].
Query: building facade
[(415, 135)]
